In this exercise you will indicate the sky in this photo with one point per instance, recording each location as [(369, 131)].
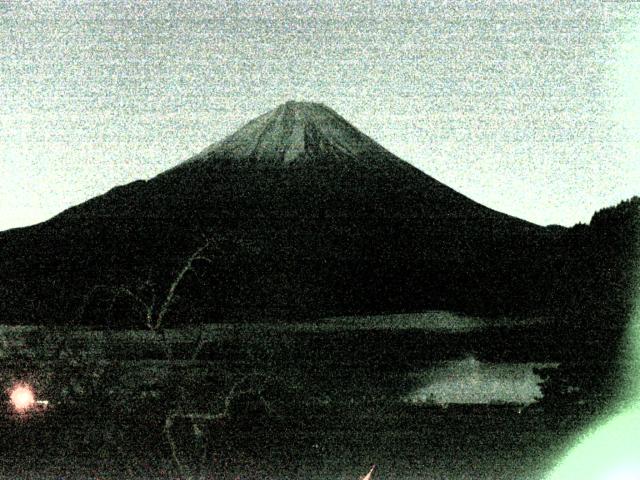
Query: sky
[(530, 108)]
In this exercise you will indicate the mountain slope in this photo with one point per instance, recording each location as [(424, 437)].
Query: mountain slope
[(308, 217)]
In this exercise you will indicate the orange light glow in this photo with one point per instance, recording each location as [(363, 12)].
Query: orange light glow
[(22, 398)]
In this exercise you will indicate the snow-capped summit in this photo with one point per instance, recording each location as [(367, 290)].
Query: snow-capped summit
[(295, 133)]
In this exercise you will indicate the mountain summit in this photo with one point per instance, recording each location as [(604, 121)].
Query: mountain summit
[(293, 134)]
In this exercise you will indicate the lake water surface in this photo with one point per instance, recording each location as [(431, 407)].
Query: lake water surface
[(343, 393)]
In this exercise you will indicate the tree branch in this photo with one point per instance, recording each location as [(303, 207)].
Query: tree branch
[(115, 291), (197, 419), (171, 294)]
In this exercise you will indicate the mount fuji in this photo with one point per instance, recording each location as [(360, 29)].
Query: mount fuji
[(307, 217)]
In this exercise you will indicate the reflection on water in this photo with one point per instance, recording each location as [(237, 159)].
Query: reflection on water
[(469, 381)]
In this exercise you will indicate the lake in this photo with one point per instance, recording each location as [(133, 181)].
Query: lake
[(431, 395)]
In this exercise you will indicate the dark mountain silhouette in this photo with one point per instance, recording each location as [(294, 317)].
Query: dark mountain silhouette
[(307, 217)]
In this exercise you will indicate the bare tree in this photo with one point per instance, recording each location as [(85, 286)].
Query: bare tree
[(154, 306), (146, 298)]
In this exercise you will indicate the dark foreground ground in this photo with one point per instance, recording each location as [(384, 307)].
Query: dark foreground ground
[(341, 443)]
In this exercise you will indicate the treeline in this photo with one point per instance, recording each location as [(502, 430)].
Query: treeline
[(594, 292), (595, 269)]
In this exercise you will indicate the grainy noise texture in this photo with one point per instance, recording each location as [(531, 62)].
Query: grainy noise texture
[(530, 108), (319, 240)]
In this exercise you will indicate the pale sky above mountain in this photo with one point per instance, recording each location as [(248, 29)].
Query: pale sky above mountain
[(531, 108)]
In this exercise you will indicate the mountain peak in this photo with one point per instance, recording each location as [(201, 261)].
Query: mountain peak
[(303, 105), (295, 132), (296, 110)]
